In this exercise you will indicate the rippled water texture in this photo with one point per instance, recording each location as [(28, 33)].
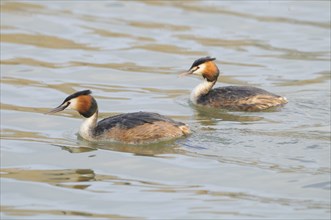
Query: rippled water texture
[(235, 165)]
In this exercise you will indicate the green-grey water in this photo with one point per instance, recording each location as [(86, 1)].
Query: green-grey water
[(235, 165)]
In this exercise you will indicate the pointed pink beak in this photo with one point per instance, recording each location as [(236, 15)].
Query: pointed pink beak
[(59, 108)]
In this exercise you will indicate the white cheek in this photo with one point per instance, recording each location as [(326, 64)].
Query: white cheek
[(73, 104), (201, 70)]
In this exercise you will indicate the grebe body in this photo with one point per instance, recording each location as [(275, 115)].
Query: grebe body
[(238, 98), (131, 128)]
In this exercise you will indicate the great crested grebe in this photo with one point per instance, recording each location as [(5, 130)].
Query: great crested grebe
[(132, 128), (237, 98)]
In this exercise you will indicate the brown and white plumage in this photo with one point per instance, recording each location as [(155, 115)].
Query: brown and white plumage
[(238, 98), (132, 128)]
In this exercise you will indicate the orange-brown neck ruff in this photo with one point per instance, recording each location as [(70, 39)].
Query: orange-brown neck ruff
[(86, 105), (211, 71)]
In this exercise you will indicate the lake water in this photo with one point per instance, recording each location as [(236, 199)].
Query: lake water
[(235, 165)]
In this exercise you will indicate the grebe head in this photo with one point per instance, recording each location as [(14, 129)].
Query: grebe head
[(204, 67), (81, 101)]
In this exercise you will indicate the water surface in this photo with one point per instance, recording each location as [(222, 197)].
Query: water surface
[(235, 165)]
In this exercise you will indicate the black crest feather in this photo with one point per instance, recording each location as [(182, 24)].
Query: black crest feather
[(201, 61), (76, 94)]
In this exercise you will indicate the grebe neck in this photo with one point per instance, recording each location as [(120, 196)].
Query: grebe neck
[(202, 89), (88, 126)]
